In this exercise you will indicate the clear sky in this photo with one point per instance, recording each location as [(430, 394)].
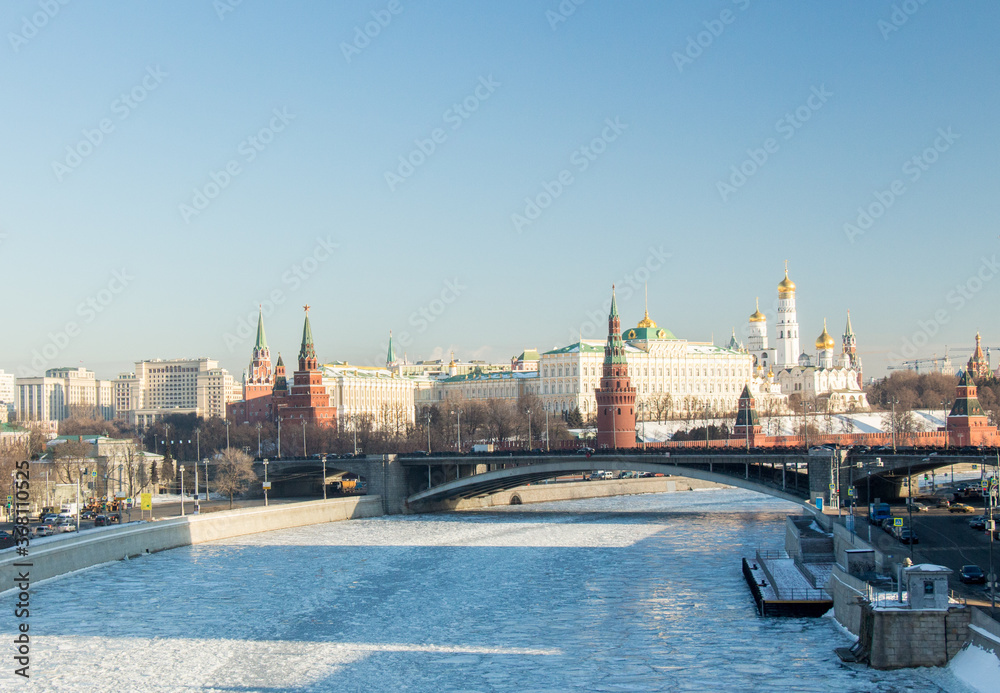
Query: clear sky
[(475, 176)]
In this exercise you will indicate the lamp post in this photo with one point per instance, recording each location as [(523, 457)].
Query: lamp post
[(279, 437), (944, 409), (197, 436), (227, 434), (182, 490), (892, 403), (428, 413), (529, 428), (207, 497), (323, 458), (197, 506), (304, 453), (546, 429), (80, 472), (259, 426), (805, 418), (268, 485), (458, 446), (354, 427)]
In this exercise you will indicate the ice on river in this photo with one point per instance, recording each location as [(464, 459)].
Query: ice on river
[(637, 593)]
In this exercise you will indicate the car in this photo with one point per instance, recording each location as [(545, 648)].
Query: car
[(972, 574), (978, 523), (907, 536), (943, 503), (888, 524), (87, 515), (919, 507), (6, 539), (585, 451), (116, 518), (65, 525), (961, 508), (43, 531), (101, 521)]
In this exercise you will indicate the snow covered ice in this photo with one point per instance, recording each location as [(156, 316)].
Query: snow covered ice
[(637, 593)]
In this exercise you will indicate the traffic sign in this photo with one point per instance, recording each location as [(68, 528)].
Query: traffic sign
[(145, 501), (94, 474), (850, 491), (267, 485), (833, 487), (897, 522)]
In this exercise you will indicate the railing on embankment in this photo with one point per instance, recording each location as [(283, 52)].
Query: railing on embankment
[(57, 556)]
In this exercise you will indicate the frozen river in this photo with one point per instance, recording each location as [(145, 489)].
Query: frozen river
[(639, 593)]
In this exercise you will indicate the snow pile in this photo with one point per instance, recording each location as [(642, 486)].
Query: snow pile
[(977, 668)]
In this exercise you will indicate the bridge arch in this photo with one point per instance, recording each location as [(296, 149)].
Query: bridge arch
[(486, 483)]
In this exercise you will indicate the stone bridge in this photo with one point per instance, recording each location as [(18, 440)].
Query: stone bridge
[(416, 483)]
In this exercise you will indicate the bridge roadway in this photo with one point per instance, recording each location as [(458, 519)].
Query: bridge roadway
[(410, 482)]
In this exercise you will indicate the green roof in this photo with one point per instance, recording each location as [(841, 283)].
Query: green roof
[(578, 346), (647, 334), (529, 355)]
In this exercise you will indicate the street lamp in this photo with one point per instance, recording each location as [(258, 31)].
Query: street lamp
[(892, 403), (528, 412), (227, 434), (546, 428), (207, 496), (304, 453), (279, 437), (428, 413), (196, 498), (182, 490), (259, 426), (323, 458), (267, 485), (458, 446)]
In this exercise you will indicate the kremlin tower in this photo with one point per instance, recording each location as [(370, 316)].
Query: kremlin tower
[(615, 396), (967, 423), (979, 365), (258, 384), (307, 400)]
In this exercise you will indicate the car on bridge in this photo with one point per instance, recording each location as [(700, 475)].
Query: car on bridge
[(961, 508)]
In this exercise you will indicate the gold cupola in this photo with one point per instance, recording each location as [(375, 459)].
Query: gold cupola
[(757, 315), (825, 342), (786, 288)]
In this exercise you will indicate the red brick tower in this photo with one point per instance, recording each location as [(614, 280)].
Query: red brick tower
[(747, 426), (615, 396), (307, 399), (967, 422), (258, 384)]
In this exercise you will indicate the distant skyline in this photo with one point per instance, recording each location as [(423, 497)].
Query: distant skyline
[(475, 177)]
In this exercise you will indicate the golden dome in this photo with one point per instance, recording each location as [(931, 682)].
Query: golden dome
[(646, 322), (825, 342), (757, 315), (786, 286)]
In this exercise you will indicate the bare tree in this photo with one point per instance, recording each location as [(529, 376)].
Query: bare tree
[(233, 473)]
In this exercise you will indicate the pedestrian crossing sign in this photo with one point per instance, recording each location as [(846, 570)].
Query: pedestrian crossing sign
[(897, 522)]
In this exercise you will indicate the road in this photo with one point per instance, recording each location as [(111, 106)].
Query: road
[(944, 538)]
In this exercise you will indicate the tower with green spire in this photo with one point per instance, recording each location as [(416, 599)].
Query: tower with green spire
[(390, 357), (307, 350), (259, 379), (615, 396)]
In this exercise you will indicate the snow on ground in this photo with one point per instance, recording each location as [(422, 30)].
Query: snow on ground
[(868, 422), (977, 668)]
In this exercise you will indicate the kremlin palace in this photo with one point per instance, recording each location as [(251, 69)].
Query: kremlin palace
[(668, 374)]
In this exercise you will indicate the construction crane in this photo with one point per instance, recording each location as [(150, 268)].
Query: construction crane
[(939, 365)]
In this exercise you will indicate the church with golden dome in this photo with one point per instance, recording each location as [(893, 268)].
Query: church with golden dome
[(830, 381)]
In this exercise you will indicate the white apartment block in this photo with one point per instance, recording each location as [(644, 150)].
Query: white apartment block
[(63, 392), (176, 386), (6, 387)]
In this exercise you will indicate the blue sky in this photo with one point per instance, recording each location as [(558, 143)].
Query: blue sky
[(475, 176)]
